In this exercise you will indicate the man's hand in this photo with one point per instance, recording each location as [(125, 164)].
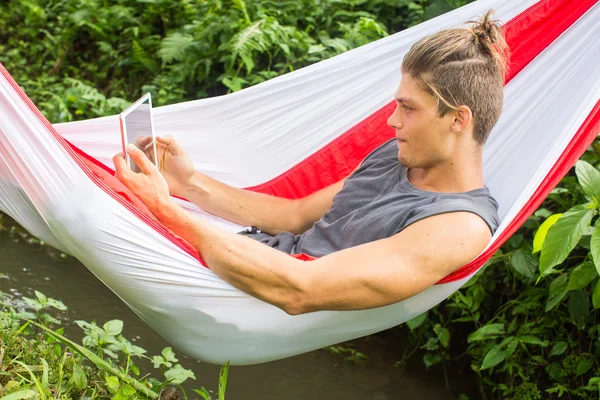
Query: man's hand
[(148, 185), (173, 162)]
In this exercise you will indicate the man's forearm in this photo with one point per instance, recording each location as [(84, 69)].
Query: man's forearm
[(269, 213), (252, 267)]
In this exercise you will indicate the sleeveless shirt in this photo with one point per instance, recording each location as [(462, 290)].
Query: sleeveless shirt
[(376, 202)]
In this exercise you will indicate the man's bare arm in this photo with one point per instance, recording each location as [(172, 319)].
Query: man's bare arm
[(269, 213), (366, 276)]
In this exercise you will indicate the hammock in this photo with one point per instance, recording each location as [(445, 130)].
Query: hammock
[(290, 137)]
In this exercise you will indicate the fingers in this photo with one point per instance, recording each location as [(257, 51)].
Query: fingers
[(166, 140), (143, 141), (122, 171), (171, 144), (140, 159)]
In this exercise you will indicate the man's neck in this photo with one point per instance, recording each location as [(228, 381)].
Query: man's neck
[(453, 177)]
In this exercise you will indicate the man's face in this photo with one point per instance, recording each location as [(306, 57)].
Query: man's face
[(422, 136)]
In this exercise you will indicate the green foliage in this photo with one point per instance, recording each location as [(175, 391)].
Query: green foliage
[(528, 340), (39, 362), (349, 352), (82, 58)]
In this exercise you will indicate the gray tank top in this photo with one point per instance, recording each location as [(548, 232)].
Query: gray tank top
[(376, 202)]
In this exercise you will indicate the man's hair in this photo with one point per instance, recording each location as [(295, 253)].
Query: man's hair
[(464, 66)]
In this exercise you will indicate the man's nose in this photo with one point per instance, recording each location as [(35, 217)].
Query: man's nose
[(393, 121)]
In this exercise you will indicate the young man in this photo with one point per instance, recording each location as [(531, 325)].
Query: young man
[(413, 212)]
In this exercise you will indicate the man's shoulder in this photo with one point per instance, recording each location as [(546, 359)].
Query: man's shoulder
[(462, 235), (481, 207)]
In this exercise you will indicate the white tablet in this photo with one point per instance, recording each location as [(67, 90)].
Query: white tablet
[(136, 122)]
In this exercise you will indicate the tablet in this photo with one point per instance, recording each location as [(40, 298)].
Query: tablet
[(136, 122)]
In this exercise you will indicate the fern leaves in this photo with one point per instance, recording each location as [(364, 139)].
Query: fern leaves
[(174, 46)]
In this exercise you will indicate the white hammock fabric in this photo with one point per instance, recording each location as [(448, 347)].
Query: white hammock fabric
[(291, 136)]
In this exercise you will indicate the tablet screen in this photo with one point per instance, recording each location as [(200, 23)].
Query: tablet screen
[(138, 123)]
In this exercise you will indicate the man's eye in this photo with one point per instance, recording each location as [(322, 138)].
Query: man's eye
[(407, 108)]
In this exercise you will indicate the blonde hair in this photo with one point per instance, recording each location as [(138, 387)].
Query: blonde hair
[(464, 66)]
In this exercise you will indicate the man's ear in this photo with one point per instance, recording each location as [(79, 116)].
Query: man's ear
[(462, 119)]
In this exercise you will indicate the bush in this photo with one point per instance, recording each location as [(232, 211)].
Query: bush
[(530, 316), (40, 362)]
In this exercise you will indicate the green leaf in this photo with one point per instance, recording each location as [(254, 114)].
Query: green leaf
[(234, 83), (178, 374), (223, 380), (493, 357), (79, 377), (57, 304), (582, 275), (511, 347), (316, 49), (157, 361), (110, 353), (128, 348), (540, 235), (595, 245), (114, 327), (430, 359), (558, 349), (44, 382), (36, 305), (57, 350), (41, 298), (174, 46), (285, 48), (589, 178), (113, 384), (563, 237), (49, 318), (21, 394), (557, 291), (584, 366), (432, 344), (533, 340), (596, 295), (25, 315), (524, 263), (443, 334), (486, 332), (579, 307), (417, 321), (169, 355), (594, 381), (203, 392), (128, 390), (248, 62)]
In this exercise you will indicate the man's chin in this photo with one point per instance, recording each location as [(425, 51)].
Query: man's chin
[(402, 161)]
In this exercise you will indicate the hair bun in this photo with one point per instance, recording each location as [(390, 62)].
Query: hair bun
[(489, 33)]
